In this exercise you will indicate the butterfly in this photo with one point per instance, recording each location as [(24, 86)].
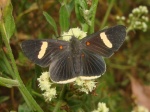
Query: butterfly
[(82, 58)]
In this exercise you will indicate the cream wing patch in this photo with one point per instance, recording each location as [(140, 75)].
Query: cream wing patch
[(65, 81), (43, 50), (105, 40)]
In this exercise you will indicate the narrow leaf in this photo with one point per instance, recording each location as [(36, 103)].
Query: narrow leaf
[(77, 11), (8, 20), (70, 6), (8, 82), (51, 21), (24, 108), (3, 99), (64, 18)]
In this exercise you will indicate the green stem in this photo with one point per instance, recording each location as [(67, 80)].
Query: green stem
[(94, 3), (84, 27), (107, 13), (58, 105), (9, 82), (16, 76), (7, 64)]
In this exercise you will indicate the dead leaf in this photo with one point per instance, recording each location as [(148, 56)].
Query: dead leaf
[(140, 92)]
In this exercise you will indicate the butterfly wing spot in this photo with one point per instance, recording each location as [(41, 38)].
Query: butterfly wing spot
[(88, 43), (106, 41), (82, 55), (61, 47), (43, 50)]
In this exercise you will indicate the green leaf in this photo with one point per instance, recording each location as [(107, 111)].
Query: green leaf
[(64, 18), (8, 82), (70, 6), (78, 8), (51, 21), (28, 103), (3, 99), (1, 40), (38, 72), (94, 8), (8, 20), (24, 108), (5, 66)]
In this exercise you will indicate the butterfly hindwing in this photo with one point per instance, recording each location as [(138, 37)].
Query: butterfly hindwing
[(93, 65), (106, 41), (41, 51), (61, 68)]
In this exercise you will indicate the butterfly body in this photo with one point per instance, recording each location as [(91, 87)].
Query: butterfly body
[(75, 53), (68, 60)]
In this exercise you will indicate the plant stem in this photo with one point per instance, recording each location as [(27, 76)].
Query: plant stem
[(7, 64), (94, 3), (58, 105), (16, 76), (107, 13)]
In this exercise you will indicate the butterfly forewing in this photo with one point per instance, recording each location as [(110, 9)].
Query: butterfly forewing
[(41, 51), (105, 42)]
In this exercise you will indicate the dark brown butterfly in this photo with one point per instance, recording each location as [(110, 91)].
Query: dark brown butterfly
[(68, 60)]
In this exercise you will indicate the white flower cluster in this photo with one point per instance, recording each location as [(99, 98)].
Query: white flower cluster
[(120, 18), (45, 85), (140, 109), (86, 12), (85, 85), (140, 9), (138, 19), (87, 15), (77, 32), (101, 108)]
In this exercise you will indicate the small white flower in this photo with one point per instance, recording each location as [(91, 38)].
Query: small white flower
[(135, 11), (101, 108), (138, 18), (120, 18), (146, 19), (90, 85), (86, 12), (50, 94), (143, 9), (85, 85), (123, 18), (137, 23), (140, 109), (44, 76), (77, 32), (44, 82), (45, 85), (140, 9), (79, 82), (144, 25), (131, 15)]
